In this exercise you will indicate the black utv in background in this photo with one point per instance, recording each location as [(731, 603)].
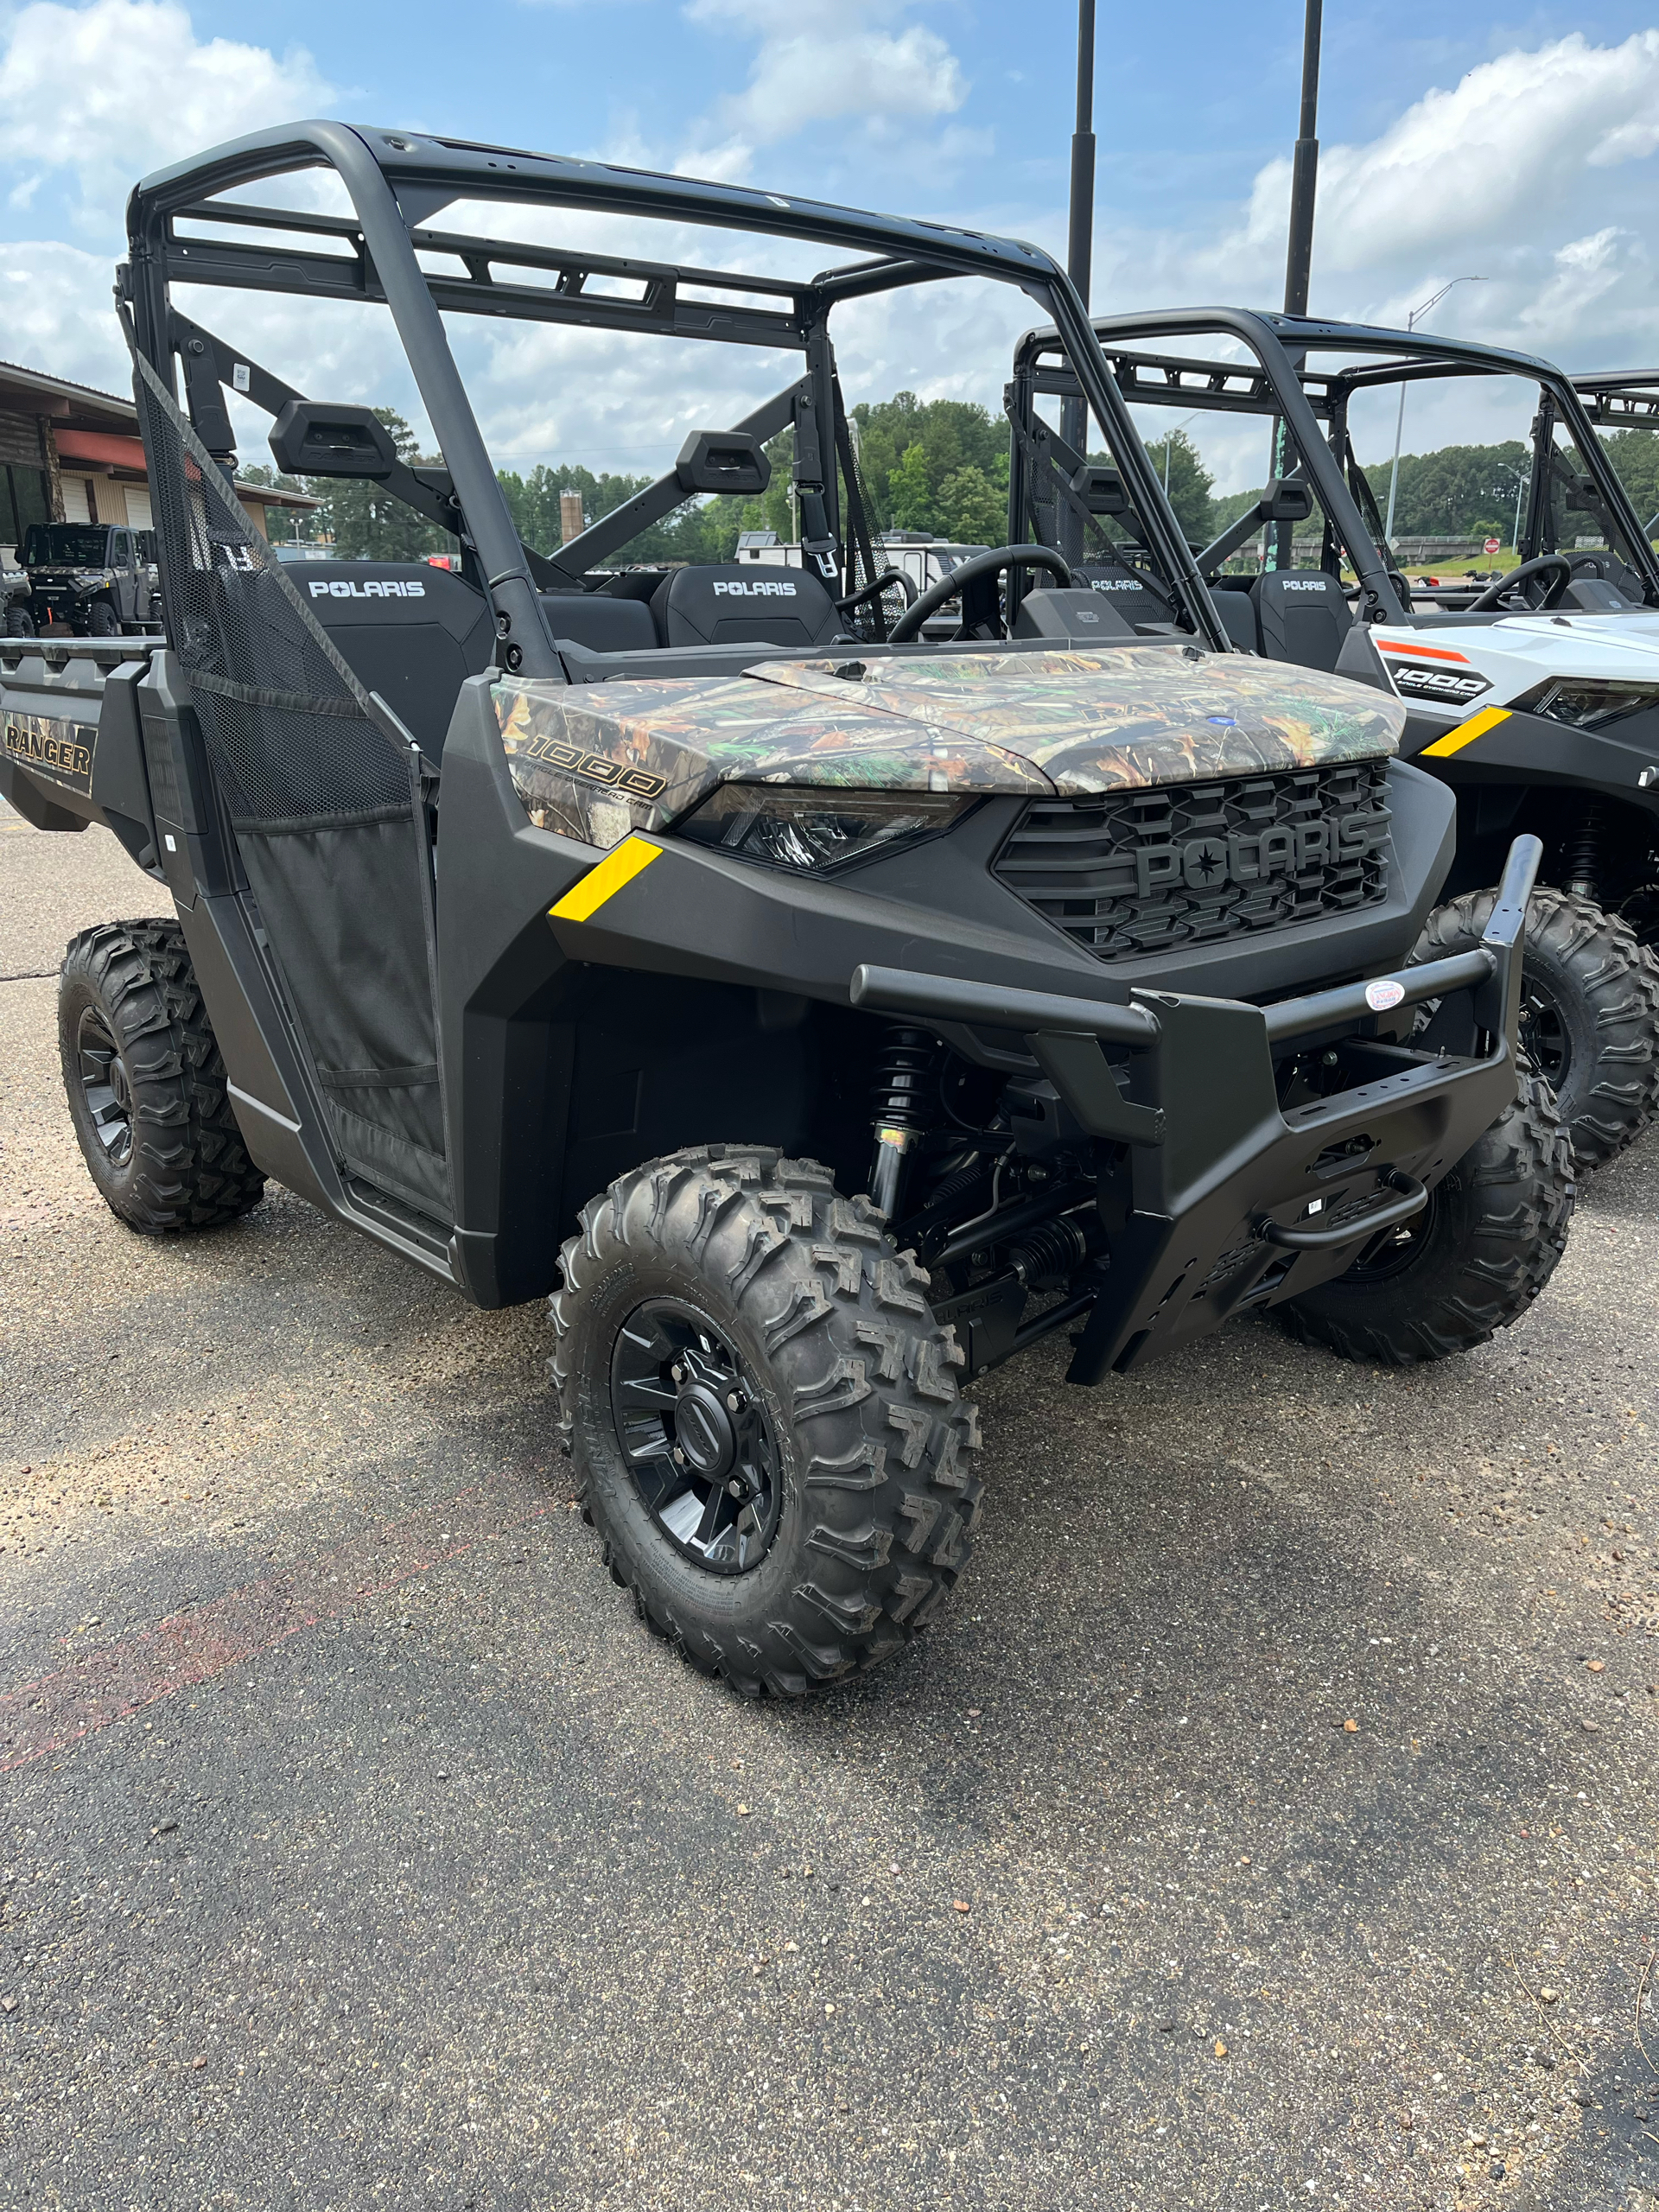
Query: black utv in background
[(822, 1013), (95, 579)]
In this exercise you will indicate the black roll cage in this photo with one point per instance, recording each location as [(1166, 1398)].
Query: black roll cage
[(1278, 382), (398, 180)]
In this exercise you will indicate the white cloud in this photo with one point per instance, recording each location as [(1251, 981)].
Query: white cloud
[(111, 90), (56, 313), (1469, 167), (822, 62)]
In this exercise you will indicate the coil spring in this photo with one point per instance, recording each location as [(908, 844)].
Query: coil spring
[(1583, 870), (905, 1080)]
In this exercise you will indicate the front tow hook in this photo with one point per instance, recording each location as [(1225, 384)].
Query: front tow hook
[(1413, 1200)]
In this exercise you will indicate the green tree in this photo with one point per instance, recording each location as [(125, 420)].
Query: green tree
[(947, 435), (1178, 464), (971, 509), (1455, 492), (910, 493), (1635, 456)]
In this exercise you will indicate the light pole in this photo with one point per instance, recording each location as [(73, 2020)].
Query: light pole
[(1169, 442), (1080, 227), (1299, 255), (1400, 418), (1521, 481)]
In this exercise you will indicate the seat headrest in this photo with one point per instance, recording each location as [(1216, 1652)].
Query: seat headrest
[(1137, 598), (1305, 616), (346, 593), (735, 604)]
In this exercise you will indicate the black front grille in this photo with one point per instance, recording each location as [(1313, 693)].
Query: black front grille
[(1141, 871)]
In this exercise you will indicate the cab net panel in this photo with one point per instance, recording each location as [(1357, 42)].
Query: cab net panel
[(324, 807)]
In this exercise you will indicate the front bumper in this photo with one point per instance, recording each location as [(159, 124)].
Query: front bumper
[(1234, 1201)]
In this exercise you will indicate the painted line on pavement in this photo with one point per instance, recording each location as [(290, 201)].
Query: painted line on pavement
[(115, 1681)]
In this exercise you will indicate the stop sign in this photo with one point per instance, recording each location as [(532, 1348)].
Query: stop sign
[(1492, 545)]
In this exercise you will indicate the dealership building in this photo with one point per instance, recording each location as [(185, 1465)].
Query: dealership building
[(69, 453)]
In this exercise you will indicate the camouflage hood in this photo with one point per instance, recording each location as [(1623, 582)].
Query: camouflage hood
[(594, 760)]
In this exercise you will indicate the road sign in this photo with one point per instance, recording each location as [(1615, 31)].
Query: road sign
[(1492, 545)]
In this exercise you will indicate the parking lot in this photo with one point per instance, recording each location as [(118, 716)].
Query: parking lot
[(1269, 1819)]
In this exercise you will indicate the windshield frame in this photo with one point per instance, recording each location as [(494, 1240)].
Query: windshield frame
[(1310, 400)]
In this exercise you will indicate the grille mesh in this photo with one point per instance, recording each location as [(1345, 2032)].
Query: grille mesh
[(1141, 871)]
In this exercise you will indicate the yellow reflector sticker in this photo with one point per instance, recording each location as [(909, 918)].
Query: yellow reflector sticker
[(1465, 733), (584, 899)]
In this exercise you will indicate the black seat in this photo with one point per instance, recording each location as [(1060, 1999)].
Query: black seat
[(738, 605), (412, 632), (1139, 599), (1304, 616), (1237, 611), (603, 624)]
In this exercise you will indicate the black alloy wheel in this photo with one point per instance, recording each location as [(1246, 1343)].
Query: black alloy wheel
[(1396, 1250), (696, 1437), (105, 1086), (1545, 1037)]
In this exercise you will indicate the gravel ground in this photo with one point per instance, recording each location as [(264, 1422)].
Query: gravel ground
[(1269, 1821)]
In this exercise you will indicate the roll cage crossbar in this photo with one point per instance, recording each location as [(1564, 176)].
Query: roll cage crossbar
[(1313, 404), (385, 252)]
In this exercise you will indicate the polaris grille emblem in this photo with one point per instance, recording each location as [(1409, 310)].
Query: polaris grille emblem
[(1207, 863)]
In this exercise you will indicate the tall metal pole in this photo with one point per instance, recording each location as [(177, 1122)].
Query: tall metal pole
[(1305, 168), (1080, 238), (1400, 415), (1299, 256)]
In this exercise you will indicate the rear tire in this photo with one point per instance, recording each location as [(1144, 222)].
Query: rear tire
[(836, 1511), (146, 1085), (1451, 1277), (1590, 1011)]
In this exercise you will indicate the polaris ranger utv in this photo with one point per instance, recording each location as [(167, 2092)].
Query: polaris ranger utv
[(95, 579), (1535, 697), (821, 1016)]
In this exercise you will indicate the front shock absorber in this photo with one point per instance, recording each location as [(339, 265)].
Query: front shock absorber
[(1583, 856), (903, 1095)]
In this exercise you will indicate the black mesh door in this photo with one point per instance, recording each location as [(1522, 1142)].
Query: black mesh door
[(325, 808)]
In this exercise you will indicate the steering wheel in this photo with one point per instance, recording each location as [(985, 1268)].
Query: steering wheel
[(1403, 586), (1560, 571), (981, 566)]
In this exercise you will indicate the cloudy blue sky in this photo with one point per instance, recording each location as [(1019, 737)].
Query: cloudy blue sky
[(1500, 144)]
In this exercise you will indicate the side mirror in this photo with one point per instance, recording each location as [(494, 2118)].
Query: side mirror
[(723, 461), (310, 438), (1286, 498), (1101, 490)]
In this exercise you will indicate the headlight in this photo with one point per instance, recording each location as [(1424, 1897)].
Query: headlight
[(1589, 702), (815, 830)]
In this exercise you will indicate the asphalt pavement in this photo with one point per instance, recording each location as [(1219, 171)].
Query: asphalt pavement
[(1269, 1819)]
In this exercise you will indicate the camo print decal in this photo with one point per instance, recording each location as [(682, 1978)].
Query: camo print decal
[(596, 760), (1133, 717), (591, 759)]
